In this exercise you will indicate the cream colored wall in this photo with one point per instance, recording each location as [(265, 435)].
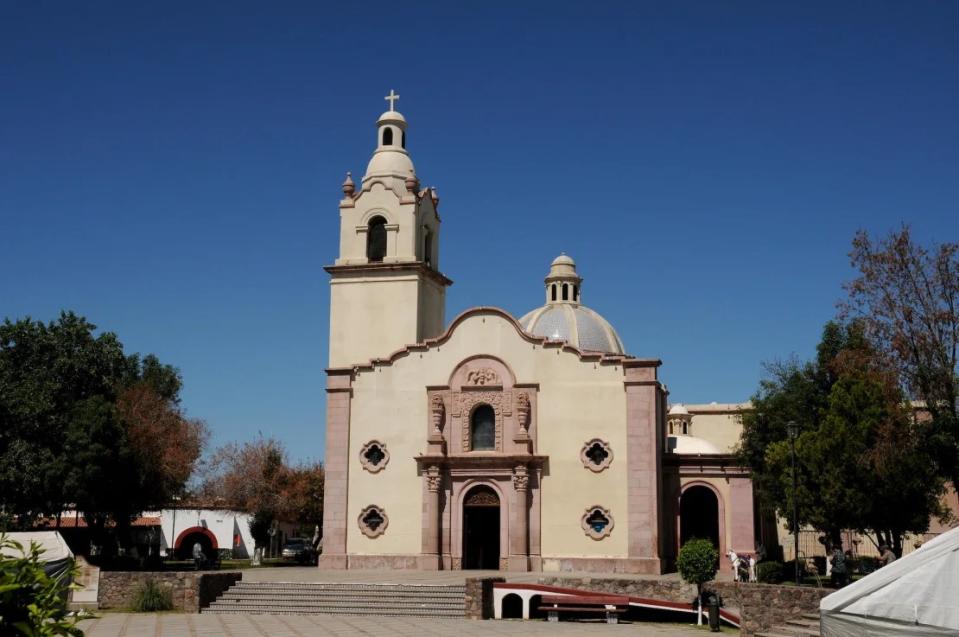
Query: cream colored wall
[(577, 401), (431, 321), (371, 316), (719, 424)]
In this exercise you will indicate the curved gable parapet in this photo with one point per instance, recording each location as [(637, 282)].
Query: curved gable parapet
[(484, 310)]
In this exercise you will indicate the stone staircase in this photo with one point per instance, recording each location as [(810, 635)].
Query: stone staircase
[(806, 626), (314, 598)]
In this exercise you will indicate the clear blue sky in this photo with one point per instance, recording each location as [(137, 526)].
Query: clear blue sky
[(172, 171)]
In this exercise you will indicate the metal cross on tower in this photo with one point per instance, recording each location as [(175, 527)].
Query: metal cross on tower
[(392, 97)]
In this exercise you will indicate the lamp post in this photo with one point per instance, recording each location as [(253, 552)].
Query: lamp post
[(792, 429), (172, 540)]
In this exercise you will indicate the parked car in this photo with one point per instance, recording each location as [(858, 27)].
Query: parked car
[(300, 550)]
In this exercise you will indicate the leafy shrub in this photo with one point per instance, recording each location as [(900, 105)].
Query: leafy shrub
[(697, 562), (867, 564), (31, 601), (769, 572), (151, 597), (819, 562), (789, 570)]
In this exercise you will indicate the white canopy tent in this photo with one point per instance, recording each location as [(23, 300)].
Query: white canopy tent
[(56, 555), (915, 595)]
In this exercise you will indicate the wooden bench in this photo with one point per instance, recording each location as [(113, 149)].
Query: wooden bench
[(609, 605)]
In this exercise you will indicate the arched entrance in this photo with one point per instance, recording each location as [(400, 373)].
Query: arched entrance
[(699, 515), (183, 547), (481, 511)]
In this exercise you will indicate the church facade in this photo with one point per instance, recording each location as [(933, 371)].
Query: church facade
[(493, 442)]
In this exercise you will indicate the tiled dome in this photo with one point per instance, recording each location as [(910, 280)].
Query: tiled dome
[(565, 318)]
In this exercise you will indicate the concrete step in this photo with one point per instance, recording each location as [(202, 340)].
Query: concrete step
[(350, 586), (345, 597), (372, 612), (320, 598), (227, 602)]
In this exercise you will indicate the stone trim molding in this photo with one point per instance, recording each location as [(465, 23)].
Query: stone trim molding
[(628, 362), (592, 532), (369, 465), (588, 462), (365, 527)]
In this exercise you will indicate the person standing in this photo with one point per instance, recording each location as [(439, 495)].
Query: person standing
[(197, 555), (840, 570), (886, 556)]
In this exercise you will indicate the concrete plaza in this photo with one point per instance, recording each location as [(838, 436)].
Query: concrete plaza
[(190, 625)]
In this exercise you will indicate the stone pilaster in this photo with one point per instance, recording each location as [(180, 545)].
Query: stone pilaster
[(519, 538)]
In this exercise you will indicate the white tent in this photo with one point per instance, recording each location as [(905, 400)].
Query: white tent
[(915, 595), (56, 555)]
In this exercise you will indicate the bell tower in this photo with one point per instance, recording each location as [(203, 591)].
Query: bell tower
[(386, 290)]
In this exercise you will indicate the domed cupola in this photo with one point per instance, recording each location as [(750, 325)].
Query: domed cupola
[(564, 317), (390, 158)]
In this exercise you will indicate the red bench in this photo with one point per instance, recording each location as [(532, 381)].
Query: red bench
[(609, 605)]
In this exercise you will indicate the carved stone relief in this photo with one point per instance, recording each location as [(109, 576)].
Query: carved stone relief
[(483, 376)]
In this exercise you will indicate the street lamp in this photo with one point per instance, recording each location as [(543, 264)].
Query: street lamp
[(171, 542), (792, 430)]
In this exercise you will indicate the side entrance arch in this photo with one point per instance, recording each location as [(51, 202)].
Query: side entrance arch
[(699, 516), (183, 547), (481, 529)]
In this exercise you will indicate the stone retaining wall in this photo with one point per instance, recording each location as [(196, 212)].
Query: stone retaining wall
[(479, 597), (190, 590), (760, 606)]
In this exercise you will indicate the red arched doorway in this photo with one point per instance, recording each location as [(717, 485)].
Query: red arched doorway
[(183, 547)]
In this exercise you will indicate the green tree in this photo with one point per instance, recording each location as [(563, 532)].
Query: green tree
[(83, 423), (861, 460), (697, 563)]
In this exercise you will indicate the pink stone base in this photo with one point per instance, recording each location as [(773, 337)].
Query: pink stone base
[(430, 563), (333, 562), (518, 563), (401, 562), (634, 566)]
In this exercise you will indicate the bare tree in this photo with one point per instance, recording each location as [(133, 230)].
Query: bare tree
[(908, 297)]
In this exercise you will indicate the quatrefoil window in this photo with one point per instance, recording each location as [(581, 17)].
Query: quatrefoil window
[(597, 522), (596, 455), (373, 521), (374, 456)]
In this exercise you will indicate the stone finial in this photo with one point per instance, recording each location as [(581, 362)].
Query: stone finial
[(412, 183), (437, 413), (348, 186), (522, 410), (434, 196)]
